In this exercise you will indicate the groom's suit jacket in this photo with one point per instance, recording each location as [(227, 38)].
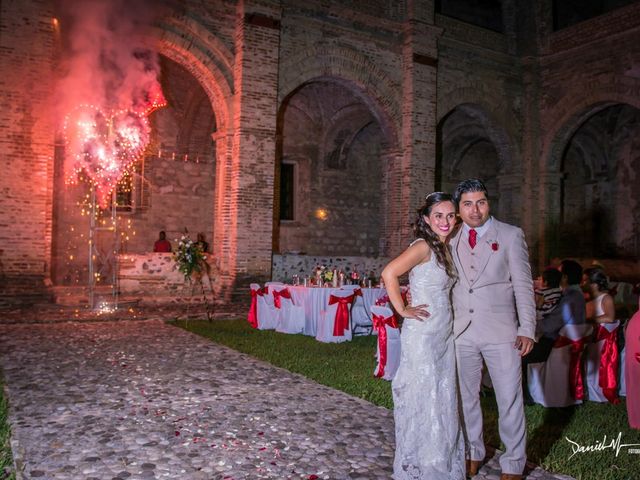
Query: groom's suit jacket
[(493, 299)]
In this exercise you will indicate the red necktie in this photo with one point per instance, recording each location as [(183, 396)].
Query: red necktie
[(473, 236)]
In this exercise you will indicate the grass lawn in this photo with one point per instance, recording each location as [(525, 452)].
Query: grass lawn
[(6, 459), (349, 367)]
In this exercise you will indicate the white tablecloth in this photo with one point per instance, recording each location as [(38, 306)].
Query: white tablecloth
[(316, 299)]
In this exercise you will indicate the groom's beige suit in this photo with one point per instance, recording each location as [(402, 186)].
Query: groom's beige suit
[(493, 303)]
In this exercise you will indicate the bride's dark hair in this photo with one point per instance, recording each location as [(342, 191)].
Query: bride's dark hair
[(423, 230)]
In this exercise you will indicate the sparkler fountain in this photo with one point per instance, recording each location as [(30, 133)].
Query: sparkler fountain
[(102, 148)]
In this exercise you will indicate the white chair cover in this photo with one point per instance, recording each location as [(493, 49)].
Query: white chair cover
[(290, 317), (549, 381), (393, 345), (327, 319), (267, 316), (361, 323), (622, 391), (593, 355)]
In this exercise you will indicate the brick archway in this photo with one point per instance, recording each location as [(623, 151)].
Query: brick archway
[(206, 58), (356, 72), (574, 109), (482, 103), (564, 119)]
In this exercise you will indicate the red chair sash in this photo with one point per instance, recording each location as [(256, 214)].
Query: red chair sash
[(608, 372), (382, 301), (280, 294), (341, 322), (379, 323), (576, 383), (252, 317)]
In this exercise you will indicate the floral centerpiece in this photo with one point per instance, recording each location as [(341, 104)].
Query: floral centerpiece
[(189, 257), (323, 274)]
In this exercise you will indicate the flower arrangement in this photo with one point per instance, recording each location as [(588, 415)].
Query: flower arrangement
[(189, 257), (323, 274), (327, 275)]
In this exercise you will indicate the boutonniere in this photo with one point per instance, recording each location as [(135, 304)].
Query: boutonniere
[(494, 246)]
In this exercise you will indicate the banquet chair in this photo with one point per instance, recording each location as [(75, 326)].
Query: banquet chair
[(602, 361), (290, 317), (622, 391), (265, 312), (558, 382), (384, 301), (388, 349), (252, 316), (360, 319), (269, 286), (333, 326)]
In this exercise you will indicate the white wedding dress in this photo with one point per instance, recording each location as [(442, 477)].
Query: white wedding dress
[(429, 439)]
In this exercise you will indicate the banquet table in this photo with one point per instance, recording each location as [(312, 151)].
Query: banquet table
[(316, 299)]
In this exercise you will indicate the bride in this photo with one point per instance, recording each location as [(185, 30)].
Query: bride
[(429, 440)]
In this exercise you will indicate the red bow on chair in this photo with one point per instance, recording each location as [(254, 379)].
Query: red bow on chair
[(379, 323), (252, 317), (341, 322), (576, 383), (608, 372), (382, 301), (277, 294)]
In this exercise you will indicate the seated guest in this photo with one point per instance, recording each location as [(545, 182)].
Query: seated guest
[(547, 296), (162, 244), (202, 242), (600, 308), (632, 370), (569, 311), (549, 293)]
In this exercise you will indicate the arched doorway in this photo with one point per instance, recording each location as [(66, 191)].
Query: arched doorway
[(599, 198), (170, 188), (469, 145), (330, 181)]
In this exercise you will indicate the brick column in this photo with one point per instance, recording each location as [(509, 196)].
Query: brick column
[(26, 147), (549, 191), (413, 174), (244, 215)]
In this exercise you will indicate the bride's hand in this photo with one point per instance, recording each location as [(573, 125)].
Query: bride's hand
[(419, 312)]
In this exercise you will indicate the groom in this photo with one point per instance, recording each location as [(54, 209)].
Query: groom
[(494, 321)]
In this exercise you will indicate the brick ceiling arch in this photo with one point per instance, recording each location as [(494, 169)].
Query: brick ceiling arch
[(205, 57), (353, 70), (483, 123), (576, 108)]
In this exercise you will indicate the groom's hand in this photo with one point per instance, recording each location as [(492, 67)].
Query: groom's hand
[(524, 344)]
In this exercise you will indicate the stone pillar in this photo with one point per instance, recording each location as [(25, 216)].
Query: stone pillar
[(391, 201), (548, 213), (246, 186), (510, 195), (414, 173), (26, 148)]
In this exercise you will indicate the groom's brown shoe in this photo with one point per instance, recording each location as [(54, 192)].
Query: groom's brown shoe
[(510, 476), (473, 466)]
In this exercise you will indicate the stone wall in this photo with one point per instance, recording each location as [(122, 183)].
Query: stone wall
[(27, 54), (153, 279), (286, 266)]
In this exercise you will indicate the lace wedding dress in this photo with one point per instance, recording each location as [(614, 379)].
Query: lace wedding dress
[(429, 439)]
